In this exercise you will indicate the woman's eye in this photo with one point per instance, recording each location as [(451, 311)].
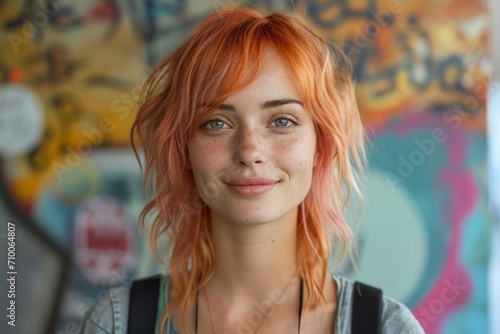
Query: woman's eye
[(283, 122), (214, 124)]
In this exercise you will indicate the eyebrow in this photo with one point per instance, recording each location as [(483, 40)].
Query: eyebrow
[(266, 105)]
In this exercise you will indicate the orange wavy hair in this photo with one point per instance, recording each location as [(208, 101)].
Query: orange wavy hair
[(222, 57)]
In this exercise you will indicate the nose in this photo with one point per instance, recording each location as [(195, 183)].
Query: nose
[(249, 148)]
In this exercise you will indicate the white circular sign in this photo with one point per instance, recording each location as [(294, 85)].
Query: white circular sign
[(21, 120)]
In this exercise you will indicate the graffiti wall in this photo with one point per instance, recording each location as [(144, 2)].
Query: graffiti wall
[(71, 74)]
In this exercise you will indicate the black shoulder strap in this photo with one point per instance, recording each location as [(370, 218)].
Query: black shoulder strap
[(143, 305), (366, 309)]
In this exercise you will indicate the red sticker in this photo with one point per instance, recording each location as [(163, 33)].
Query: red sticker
[(104, 242)]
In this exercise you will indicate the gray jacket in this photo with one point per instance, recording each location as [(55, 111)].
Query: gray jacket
[(110, 313)]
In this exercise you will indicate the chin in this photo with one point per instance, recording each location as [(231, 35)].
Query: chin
[(251, 220)]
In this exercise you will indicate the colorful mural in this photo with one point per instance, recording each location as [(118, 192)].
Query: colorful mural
[(70, 77), (432, 163)]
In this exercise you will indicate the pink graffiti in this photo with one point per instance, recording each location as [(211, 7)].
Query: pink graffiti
[(453, 286)]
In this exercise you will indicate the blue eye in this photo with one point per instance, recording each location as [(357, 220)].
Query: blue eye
[(214, 124), (284, 122)]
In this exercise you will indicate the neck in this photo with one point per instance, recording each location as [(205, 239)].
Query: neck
[(254, 261)]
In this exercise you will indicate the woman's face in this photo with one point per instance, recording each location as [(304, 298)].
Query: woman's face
[(253, 159)]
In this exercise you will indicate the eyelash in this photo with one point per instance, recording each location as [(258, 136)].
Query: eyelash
[(293, 120), (289, 118), (205, 124)]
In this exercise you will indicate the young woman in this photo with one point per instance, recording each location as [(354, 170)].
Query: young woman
[(252, 139)]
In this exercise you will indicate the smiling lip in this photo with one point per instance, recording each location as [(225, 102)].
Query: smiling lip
[(251, 186)]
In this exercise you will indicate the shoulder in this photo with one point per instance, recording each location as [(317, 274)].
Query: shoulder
[(109, 314), (396, 317)]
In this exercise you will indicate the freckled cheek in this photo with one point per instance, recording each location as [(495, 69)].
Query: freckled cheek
[(206, 157), (298, 159), (206, 164)]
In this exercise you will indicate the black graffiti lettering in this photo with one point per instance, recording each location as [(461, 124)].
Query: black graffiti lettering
[(450, 73), (418, 61), (35, 16)]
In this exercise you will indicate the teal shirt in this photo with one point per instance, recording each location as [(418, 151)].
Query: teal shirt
[(110, 313)]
